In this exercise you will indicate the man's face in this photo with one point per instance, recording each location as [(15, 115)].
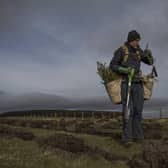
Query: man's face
[(135, 43)]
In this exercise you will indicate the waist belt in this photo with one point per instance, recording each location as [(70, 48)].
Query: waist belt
[(134, 80)]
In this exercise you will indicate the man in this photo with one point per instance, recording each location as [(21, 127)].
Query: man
[(125, 59)]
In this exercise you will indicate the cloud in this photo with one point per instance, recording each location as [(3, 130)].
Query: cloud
[(53, 46)]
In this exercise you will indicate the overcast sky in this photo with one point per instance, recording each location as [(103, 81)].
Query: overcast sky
[(51, 46)]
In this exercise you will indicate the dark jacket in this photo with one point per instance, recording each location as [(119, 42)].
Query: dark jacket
[(134, 59)]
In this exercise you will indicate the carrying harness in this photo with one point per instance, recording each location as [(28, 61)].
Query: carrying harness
[(126, 54)]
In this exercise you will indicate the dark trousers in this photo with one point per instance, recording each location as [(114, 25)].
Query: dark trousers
[(132, 128)]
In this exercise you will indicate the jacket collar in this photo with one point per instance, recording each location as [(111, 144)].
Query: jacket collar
[(130, 47)]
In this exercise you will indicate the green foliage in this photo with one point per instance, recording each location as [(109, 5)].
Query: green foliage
[(106, 74)]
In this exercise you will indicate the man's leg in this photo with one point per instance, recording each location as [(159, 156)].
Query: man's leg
[(138, 101)]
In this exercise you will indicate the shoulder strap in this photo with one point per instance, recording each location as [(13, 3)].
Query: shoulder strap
[(126, 53)]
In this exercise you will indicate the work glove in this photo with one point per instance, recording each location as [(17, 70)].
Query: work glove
[(131, 73), (148, 56), (126, 70)]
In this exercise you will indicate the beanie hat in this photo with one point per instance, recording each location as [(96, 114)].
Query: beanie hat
[(133, 35)]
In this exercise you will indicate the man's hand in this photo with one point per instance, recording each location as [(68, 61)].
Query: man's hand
[(148, 56), (147, 52)]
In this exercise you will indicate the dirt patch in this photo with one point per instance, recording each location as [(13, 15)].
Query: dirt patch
[(100, 132), (108, 155), (61, 124), (138, 162), (111, 125), (7, 121), (101, 127), (85, 124), (153, 130), (152, 125), (153, 134), (63, 141), (102, 120), (6, 131), (75, 145), (47, 124), (154, 155)]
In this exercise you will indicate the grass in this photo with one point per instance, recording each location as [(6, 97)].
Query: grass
[(18, 153)]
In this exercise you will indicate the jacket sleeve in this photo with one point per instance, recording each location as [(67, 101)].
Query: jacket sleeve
[(116, 60), (145, 59)]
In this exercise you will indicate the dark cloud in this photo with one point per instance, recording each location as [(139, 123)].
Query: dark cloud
[(53, 45)]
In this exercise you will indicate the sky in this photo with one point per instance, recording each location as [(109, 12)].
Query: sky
[(52, 46)]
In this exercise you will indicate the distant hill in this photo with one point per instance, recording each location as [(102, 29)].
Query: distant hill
[(9, 102), (156, 103)]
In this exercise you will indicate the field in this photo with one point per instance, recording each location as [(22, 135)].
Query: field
[(60, 142)]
